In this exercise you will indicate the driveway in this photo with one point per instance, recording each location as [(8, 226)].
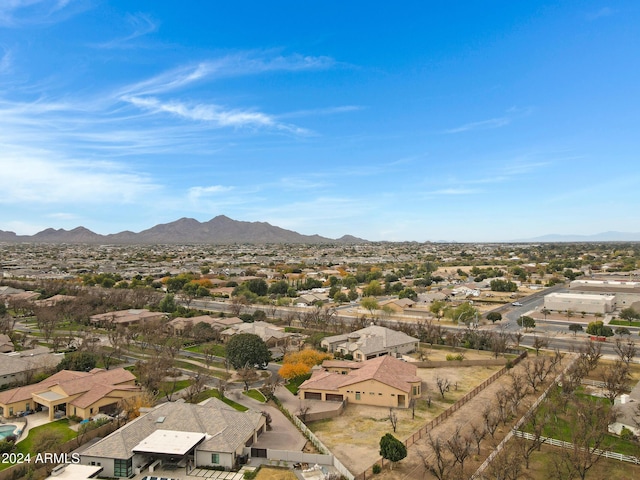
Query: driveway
[(283, 435)]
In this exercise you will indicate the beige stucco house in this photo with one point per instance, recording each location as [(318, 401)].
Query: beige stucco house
[(371, 342), (383, 381), (82, 394)]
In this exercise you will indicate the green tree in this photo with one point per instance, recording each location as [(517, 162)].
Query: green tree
[(629, 315), (499, 285), (168, 304), (575, 328), (436, 308), (598, 328), (370, 304), (373, 289), (247, 349), (526, 322), (78, 361), (463, 313), (494, 317), (279, 288), (408, 293), (392, 449)]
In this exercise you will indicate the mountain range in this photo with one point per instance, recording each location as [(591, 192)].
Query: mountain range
[(218, 230), (610, 236)]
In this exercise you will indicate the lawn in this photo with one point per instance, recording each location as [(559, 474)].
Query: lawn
[(255, 394), (26, 445), (624, 323), (294, 384), (218, 350)]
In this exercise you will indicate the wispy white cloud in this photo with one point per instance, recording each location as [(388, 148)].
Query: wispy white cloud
[(140, 25), (196, 193), (603, 12), (16, 13), (321, 111), (481, 125), (214, 114), (5, 61), (239, 64), (510, 115), (454, 191)]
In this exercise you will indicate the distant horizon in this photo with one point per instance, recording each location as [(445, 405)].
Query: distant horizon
[(538, 238), (473, 122)]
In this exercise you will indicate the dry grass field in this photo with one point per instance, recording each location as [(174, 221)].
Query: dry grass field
[(270, 473)]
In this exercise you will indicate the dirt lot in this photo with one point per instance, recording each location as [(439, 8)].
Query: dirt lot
[(362, 449)]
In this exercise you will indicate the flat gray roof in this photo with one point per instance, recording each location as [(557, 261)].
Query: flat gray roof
[(169, 442)]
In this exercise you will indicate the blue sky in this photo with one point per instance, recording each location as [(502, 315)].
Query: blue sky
[(425, 120)]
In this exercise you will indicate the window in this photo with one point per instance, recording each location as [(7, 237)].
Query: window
[(416, 390), (27, 406), (215, 458), (11, 411), (357, 395), (123, 468)]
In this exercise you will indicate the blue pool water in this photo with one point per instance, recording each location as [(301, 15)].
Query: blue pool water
[(6, 430)]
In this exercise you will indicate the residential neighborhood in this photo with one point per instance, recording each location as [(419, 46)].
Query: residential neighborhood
[(185, 379)]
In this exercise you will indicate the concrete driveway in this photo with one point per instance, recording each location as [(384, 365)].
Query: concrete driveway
[(283, 435)]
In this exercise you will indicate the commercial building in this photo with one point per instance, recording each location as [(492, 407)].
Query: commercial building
[(580, 302)]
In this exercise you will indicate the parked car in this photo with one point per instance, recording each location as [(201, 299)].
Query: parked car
[(516, 304)]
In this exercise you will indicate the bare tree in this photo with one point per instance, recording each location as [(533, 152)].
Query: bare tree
[(478, 433), (491, 420), (460, 447), (534, 423), (626, 350), (507, 465), (539, 343), (589, 421), (247, 375), (616, 378), (441, 465), (196, 387), (303, 411), (443, 385), (393, 418)]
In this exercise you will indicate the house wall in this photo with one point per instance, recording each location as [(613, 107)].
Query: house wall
[(371, 392), (105, 463), (94, 408), (203, 459)]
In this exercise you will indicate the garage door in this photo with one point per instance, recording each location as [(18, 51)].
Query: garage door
[(312, 396), (334, 397)]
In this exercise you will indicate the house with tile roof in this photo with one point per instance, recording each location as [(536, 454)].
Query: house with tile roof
[(82, 394), (179, 434), (382, 381), (371, 342)]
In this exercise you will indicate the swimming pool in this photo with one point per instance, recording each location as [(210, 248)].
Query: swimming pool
[(6, 430)]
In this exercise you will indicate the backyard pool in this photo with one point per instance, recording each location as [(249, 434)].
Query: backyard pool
[(6, 430)]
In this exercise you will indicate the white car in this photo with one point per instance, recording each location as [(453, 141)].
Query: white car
[(516, 304)]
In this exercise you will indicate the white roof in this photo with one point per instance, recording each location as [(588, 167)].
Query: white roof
[(169, 442)]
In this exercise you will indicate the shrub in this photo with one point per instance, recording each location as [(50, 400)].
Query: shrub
[(377, 468), (458, 357)]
